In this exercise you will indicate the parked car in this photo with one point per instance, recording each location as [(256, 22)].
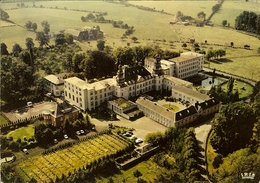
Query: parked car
[(25, 151), (139, 140), (133, 137), (55, 141), (78, 132), (127, 134), (66, 136), (82, 131)]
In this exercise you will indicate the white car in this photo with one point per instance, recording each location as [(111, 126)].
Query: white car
[(82, 131), (66, 136), (25, 151), (139, 140), (133, 137), (78, 132)]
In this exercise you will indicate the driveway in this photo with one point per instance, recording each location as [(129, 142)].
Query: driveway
[(142, 125)]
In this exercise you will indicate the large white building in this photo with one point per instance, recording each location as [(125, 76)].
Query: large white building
[(55, 84), (188, 64), (129, 82)]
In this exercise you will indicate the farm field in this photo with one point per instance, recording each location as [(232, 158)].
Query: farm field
[(45, 168), (151, 28)]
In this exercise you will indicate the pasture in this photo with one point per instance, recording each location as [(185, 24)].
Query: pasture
[(45, 168), (151, 28)]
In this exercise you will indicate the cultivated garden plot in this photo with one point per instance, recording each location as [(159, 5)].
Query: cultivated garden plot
[(45, 168)]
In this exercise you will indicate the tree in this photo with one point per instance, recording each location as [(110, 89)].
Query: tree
[(3, 49), (28, 25), (46, 27), (224, 23), (125, 56), (69, 38), (232, 127), (97, 63), (42, 39), (83, 19), (60, 39), (154, 138), (241, 161), (137, 173), (16, 79), (201, 15), (34, 26), (141, 52), (134, 38), (3, 15), (230, 85), (16, 49), (100, 45), (231, 44), (30, 46)]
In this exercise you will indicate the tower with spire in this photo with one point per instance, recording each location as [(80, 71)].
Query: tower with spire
[(120, 76), (157, 69)]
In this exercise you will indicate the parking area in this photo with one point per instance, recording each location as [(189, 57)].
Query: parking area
[(27, 112), (142, 125)]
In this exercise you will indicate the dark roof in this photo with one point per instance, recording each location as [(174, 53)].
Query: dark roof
[(209, 103), (185, 113), (132, 73), (63, 108)]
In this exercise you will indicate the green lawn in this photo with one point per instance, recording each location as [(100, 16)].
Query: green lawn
[(3, 121), (244, 89), (148, 169), (27, 131), (171, 107)]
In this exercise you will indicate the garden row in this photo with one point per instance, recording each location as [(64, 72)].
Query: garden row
[(86, 154)]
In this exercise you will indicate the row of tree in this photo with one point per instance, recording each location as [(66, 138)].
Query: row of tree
[(180, 155), (248, 21), (216, 54)]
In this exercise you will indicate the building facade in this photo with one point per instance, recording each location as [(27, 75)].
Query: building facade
[(188, 64), (55, 84), (57, 115)]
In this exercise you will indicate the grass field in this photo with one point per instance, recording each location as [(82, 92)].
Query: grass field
[(231, 9), (27, 131), (238, 85), (171, 107), (46, 167), (150, 27), (148, 169), (3, 121)]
